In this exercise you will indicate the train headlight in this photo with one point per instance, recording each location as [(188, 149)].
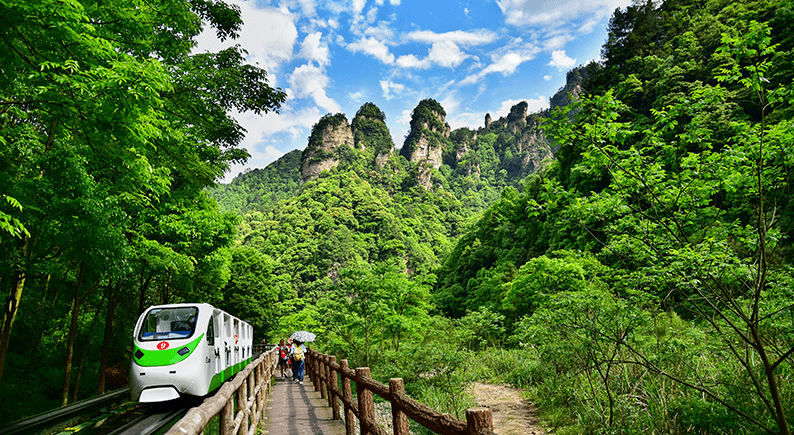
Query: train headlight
[(139, 354), (183, 351)]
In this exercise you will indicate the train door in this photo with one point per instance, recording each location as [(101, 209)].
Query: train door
[(218, 360), (213, 356), (227, 341), (237, 341)]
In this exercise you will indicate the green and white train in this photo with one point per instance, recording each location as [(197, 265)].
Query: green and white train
[(186, 349)]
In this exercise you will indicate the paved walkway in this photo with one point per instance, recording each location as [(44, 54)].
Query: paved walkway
[(294, 409)]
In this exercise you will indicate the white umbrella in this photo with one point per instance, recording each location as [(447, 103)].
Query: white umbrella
[(302, 336)]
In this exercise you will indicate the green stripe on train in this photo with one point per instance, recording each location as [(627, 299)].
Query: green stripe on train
[(219, 378), (216, 381), (151, 358)]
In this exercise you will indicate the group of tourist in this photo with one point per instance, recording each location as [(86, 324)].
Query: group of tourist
[(292, 355)]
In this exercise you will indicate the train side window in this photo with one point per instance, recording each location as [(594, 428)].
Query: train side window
[(211, 333)]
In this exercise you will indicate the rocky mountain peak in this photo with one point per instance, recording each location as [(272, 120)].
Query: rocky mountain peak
[(370, 131), (328, 135)]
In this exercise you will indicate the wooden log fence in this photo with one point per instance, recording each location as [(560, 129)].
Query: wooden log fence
[(325, 373), (249, 387)]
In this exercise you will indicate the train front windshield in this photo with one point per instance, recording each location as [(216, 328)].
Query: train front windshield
[(168, 324)]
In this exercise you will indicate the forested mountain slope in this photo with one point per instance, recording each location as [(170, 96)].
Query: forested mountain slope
[(351, 200), (645, 269), (655, 251)]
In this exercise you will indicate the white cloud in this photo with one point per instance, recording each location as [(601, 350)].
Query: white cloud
[(308, 7), (558, 13), (372, 47), (410, 61), (269, 43), (357, 6), (372, 14), (381, 32), (267, 133), (389, 86), (444, 53), (560, 60), (533, 106), (557, 42), (478, 37), (505, 63), (314, 48), (547, 77), (309, 81)]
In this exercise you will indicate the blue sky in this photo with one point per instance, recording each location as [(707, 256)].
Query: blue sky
[(474, 57)]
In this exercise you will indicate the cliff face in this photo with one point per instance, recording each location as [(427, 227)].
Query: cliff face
[(427, 140), (513, 144), (370, 133), (535, 148), (328, 135)]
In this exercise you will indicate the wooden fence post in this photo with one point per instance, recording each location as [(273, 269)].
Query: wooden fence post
[(242, 403), (479, 420), (227, 417), (366, 406), (321, 375), (399, 419), (250, 400), (316, 370), (333, 387), (347, 394), (262, 382), (307, 371)]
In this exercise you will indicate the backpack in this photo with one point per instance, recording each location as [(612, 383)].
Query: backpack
[(298, 353), (283, 353)]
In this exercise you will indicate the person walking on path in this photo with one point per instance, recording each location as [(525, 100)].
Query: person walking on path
[(283, 357), (298, 353)]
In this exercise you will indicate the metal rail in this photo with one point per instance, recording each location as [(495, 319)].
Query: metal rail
[(69, 415), (150, 423)]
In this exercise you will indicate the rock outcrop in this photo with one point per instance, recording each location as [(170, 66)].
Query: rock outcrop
[(427, 139), (371, 133), (328, 135)]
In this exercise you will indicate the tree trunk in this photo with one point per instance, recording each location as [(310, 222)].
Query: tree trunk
[(67, 376), (12, 306), (40, 329), (142, 300), (75, 310), (85, 348), (110, 334)]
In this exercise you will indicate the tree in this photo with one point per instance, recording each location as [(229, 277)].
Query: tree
[(104, 112), (698, 220), (250, 293)]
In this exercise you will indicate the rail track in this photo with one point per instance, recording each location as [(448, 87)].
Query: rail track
[(108, 414)]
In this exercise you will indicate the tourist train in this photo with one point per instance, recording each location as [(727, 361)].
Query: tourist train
[(186, 349)]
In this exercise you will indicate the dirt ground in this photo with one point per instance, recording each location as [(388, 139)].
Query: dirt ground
[(512, 415)]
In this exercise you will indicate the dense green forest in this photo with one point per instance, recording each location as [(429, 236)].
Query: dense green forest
[(624, 257), (111, 131)]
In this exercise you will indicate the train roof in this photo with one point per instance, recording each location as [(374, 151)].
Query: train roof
[(200, 305)]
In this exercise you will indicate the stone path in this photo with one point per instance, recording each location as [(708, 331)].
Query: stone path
[(294, 409)]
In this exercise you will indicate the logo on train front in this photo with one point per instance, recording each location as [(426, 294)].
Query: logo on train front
[(163, 345)]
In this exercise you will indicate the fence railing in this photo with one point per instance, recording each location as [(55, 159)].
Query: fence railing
[(249, 388), (325, 373)]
